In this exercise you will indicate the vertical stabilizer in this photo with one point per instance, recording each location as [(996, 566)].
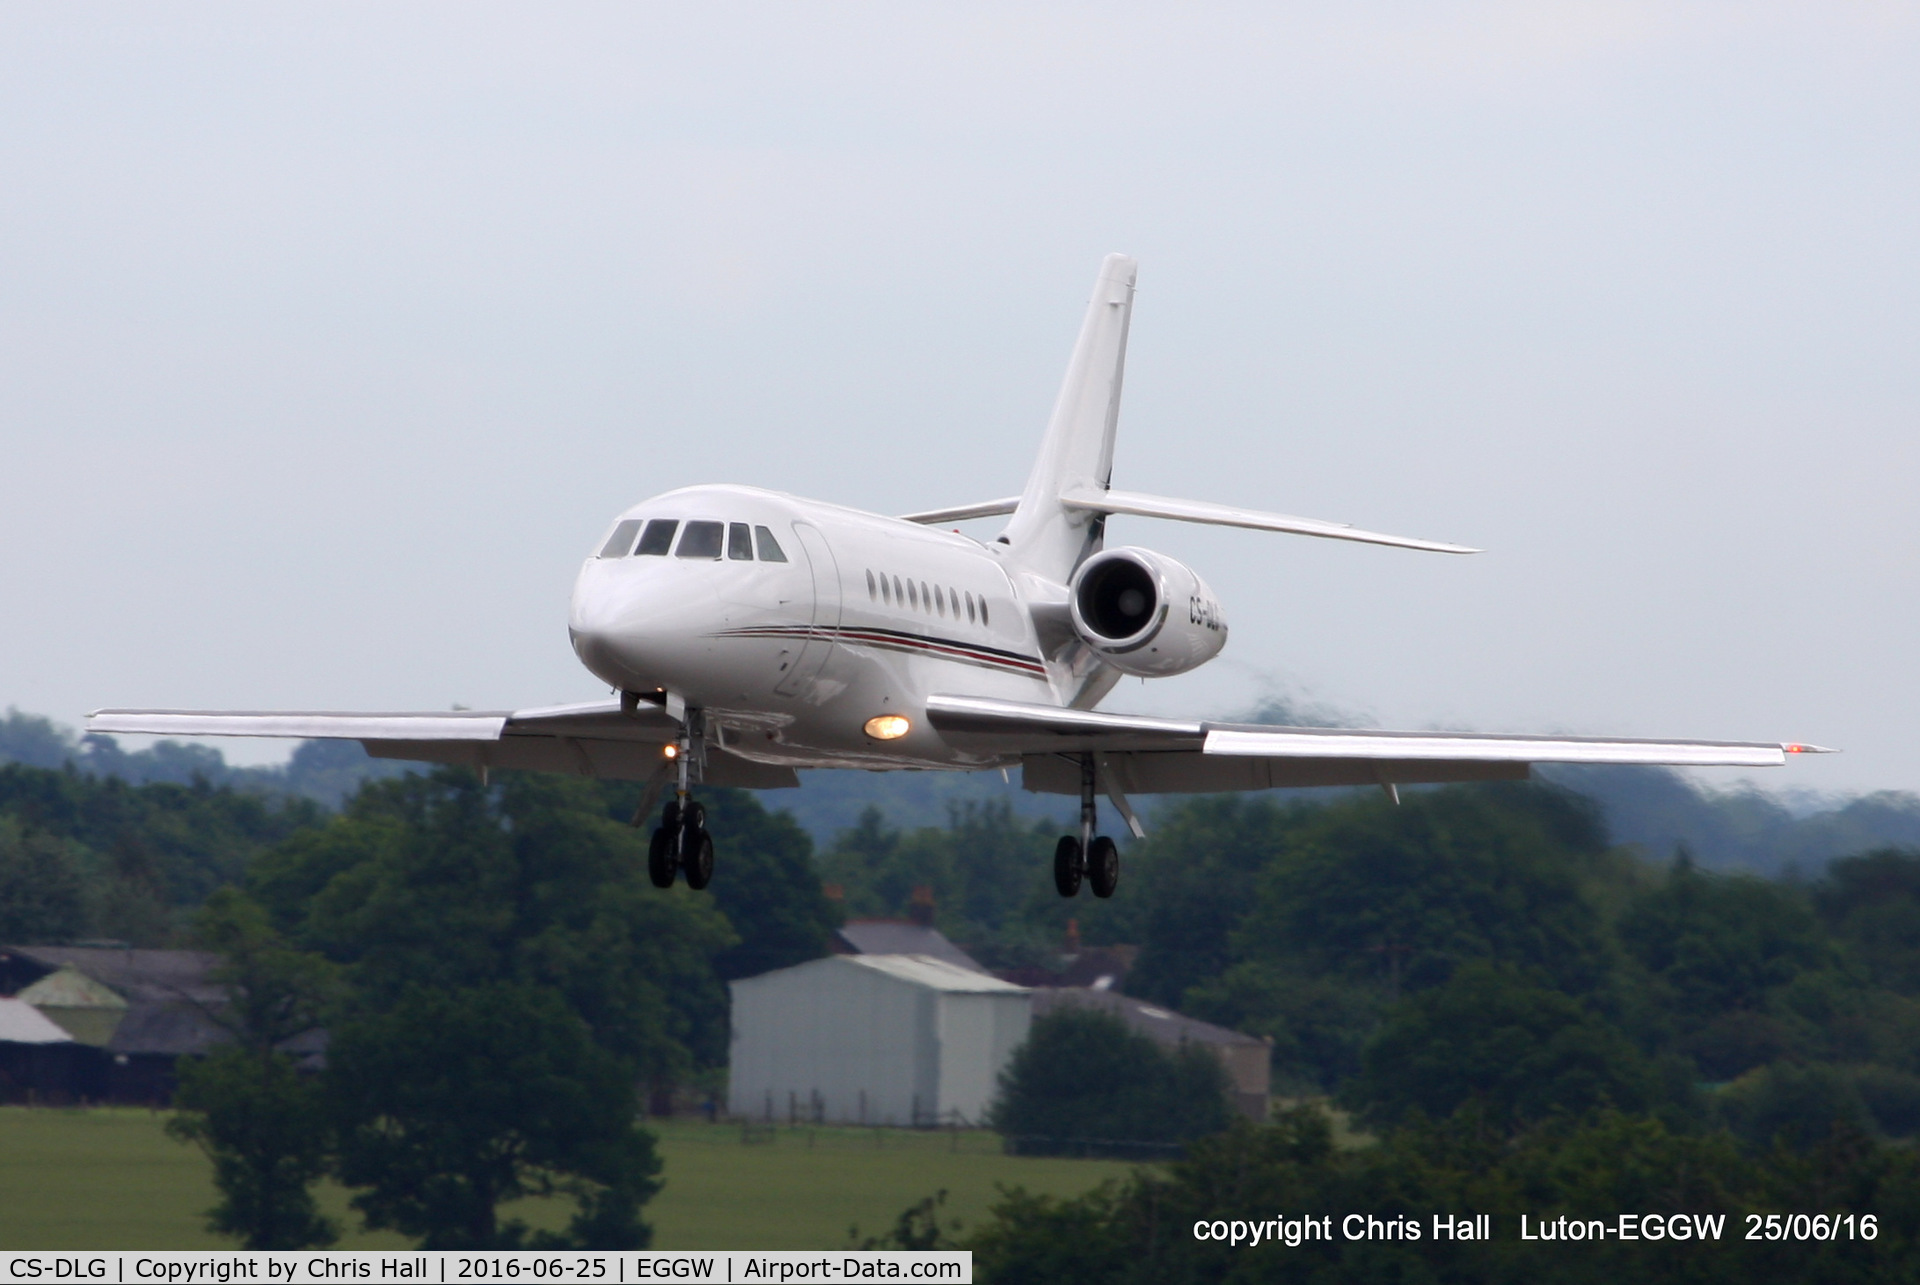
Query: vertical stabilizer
[(1077, 452)]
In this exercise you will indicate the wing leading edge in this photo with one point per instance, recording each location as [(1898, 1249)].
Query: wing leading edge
[(593, 739), (1157, 755)]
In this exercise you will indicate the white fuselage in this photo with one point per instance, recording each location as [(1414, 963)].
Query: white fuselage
[(866, 616)]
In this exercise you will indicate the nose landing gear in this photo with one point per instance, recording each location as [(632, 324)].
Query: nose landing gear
[(681, 842), (1094, 858)]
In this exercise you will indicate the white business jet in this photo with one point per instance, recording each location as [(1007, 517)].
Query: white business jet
[(751, 634)]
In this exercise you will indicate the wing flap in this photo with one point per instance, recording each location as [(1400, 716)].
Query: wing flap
[(1190, 773), (1016, 727), (1141, 505)]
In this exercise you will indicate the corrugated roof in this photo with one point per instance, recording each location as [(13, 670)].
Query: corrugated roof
[(902, 937), (1159, 1024), (22, 1023), (938, 974), (170, 1029), (155, 975)]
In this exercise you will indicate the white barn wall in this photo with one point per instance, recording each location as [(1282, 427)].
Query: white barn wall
[(978, 1034), (893, 1040)]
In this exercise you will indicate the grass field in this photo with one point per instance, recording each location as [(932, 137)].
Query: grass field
[(112, 1179)]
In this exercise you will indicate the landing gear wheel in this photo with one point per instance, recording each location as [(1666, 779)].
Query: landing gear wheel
[(1066, 866), (697, 858), (1103, 867), (661, 857)]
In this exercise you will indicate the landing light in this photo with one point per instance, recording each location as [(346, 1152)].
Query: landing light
[(888, 727), (671, 751)]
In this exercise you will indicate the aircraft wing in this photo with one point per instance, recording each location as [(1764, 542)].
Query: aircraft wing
[(591, 739), (1170, 756)]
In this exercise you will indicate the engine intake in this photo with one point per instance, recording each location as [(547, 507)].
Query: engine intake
[(1145, 614)]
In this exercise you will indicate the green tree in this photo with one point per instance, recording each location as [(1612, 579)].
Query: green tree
[(1719, 942), (767, 887), (1490, 1036), (1871, 903), (1190, 884), (263, 1125), (453, 1101), (436, 882), (260, 1120), (41, 897), (1083, 1083), (1399, 896)]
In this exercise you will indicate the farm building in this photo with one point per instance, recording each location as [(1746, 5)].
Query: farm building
[(130, 1015), (872, 1039), (1246, 1060), (900, 937), (38, 1060)]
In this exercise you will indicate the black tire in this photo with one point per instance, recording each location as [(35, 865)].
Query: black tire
[(697, 846), (1103, 867), (1067, 866), (661, 858), (670, 819)]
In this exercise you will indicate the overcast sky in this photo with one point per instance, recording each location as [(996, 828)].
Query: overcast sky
[(331, 337)]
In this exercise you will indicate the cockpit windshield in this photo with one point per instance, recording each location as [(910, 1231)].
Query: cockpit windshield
[(734, 541), (701, 540), (621, 540), (659, 538)]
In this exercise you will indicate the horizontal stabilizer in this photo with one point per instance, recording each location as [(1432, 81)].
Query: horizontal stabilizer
[(1136, 504), (961, 512)]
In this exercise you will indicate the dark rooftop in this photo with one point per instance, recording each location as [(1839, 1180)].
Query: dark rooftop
[(154, 976), (1162, 1025), (900, 937)]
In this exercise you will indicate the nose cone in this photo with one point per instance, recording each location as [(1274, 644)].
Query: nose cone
[(638, 624), (604, 621)]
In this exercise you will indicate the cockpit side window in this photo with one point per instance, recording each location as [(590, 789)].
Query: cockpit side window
[(739, 543), (701, 540), (658, 539), (621, 540), (769, 547)]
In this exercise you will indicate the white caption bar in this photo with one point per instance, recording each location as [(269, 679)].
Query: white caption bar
[(732, 1266)]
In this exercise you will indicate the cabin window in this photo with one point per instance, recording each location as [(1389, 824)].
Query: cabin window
[(739, 542), (658, 539), (873, 590), (886, 590), (621, 540), (983, 611), (969, 608), (939, 601), (769, 547), (701, 540), (913, 595), (926, 599), (898, 596)]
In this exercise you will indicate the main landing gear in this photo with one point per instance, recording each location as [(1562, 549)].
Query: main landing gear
[(681, 842), (1085, 856)]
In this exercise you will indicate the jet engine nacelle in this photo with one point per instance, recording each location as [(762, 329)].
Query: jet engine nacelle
[(1145, 614)]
